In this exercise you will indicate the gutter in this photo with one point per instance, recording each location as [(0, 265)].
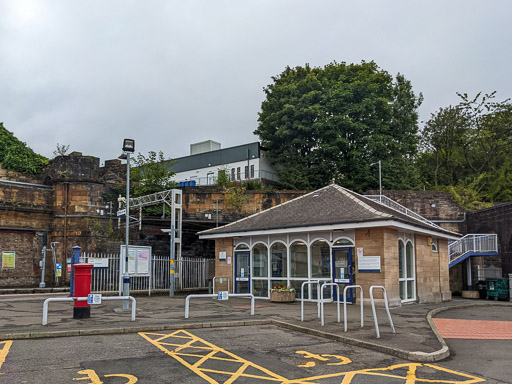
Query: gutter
[(451, 221), (25, 184)]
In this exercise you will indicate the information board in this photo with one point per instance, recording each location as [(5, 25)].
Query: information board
[(368, 264), (8, 260), (98, 262), (139, 260)]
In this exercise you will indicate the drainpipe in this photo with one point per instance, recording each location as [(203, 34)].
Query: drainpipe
[(65, 240), (468, 273)]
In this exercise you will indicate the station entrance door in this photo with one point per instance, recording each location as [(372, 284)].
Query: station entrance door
[(242, 272), (342, 272)]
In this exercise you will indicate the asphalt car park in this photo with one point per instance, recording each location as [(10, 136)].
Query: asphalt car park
[(250, 354)]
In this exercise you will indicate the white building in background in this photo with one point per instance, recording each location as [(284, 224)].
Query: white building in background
[(241, 163)]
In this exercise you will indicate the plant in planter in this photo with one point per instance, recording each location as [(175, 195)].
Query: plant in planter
[(282, 294)]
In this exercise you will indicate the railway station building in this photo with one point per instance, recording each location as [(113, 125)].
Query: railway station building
[(335, 235)]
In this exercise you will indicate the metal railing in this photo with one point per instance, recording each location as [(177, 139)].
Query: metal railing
[(472, 243), (72, 299), (214, 295), (384, 200), (211, 178), (190, 274)]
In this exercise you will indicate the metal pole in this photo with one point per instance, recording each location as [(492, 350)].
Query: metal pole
[(172, 266), (126, 277), (380, 181), (42, 284)]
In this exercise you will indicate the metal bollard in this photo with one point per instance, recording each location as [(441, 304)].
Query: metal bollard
[(345, 304), (322, 299)]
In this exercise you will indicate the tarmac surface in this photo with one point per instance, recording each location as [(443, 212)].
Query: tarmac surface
[(417, 338)]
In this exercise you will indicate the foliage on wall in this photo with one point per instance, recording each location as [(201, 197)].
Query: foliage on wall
[(16, 156)]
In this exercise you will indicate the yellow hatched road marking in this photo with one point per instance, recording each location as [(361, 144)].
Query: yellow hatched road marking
[(4, 350), (195, 342), (192, 342)]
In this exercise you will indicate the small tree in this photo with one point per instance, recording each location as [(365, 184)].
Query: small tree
[(151, 174), (222, 177), (61, 150), (235, 196)]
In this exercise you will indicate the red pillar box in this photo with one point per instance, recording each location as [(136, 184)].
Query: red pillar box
[(81, 309)]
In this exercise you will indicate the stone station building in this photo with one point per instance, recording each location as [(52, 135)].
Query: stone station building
[(335, 235)]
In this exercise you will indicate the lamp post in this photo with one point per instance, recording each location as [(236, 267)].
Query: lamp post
[(128, 148), (380, 179)]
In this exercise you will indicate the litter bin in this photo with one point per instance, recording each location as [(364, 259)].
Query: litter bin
[(482, 289), (497, 288)]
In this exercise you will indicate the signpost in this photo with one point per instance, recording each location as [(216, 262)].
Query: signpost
[(94, 298), (222, 295)]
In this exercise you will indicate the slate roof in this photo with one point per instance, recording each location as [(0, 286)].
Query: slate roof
[(330, 205)]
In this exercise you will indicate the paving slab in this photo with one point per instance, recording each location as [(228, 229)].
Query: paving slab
[(416, 337)]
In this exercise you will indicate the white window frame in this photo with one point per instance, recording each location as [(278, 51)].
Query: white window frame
[(406, 279)]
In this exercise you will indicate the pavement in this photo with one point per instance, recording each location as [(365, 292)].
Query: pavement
[(417, 337)]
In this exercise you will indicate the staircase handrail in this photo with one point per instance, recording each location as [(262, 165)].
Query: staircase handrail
[(390, 203), (473, 242)]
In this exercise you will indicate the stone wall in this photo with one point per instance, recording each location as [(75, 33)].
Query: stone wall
[(70, 208), (493, 220), (27, 272), (432, 205), (432, 275), (381, 242), (200, 203), (17, 176), (73, 209), (24, 211), (222, 268)]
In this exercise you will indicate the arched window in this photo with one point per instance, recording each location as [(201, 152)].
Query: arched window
[(343, 243), (406, 273), (260, 260), (299, 259), (242, 247), (279, 260), (320, 259)]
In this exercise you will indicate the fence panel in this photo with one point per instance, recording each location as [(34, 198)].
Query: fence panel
[(190, 274)]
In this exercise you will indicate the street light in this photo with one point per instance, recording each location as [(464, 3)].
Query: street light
[(128, 148), (380, 179)]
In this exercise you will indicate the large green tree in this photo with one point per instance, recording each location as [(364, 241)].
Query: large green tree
[(467, 149), (320, 124)]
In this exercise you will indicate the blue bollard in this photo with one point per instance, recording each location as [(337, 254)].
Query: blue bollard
[(75, 259)]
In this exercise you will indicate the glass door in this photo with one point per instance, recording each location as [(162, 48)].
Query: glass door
[(242, 274), (342, 272)]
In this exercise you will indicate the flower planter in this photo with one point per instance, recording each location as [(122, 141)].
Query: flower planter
[(282, 296)]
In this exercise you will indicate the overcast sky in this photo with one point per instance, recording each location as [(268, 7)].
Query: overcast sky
[(170, 73)]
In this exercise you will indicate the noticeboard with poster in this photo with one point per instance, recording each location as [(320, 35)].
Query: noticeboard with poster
[(8, 260), (139, 260)]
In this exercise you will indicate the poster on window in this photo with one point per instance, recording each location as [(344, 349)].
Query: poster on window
[(139, 260)]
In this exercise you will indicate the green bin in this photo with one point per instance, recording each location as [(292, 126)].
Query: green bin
[(497, 288)]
